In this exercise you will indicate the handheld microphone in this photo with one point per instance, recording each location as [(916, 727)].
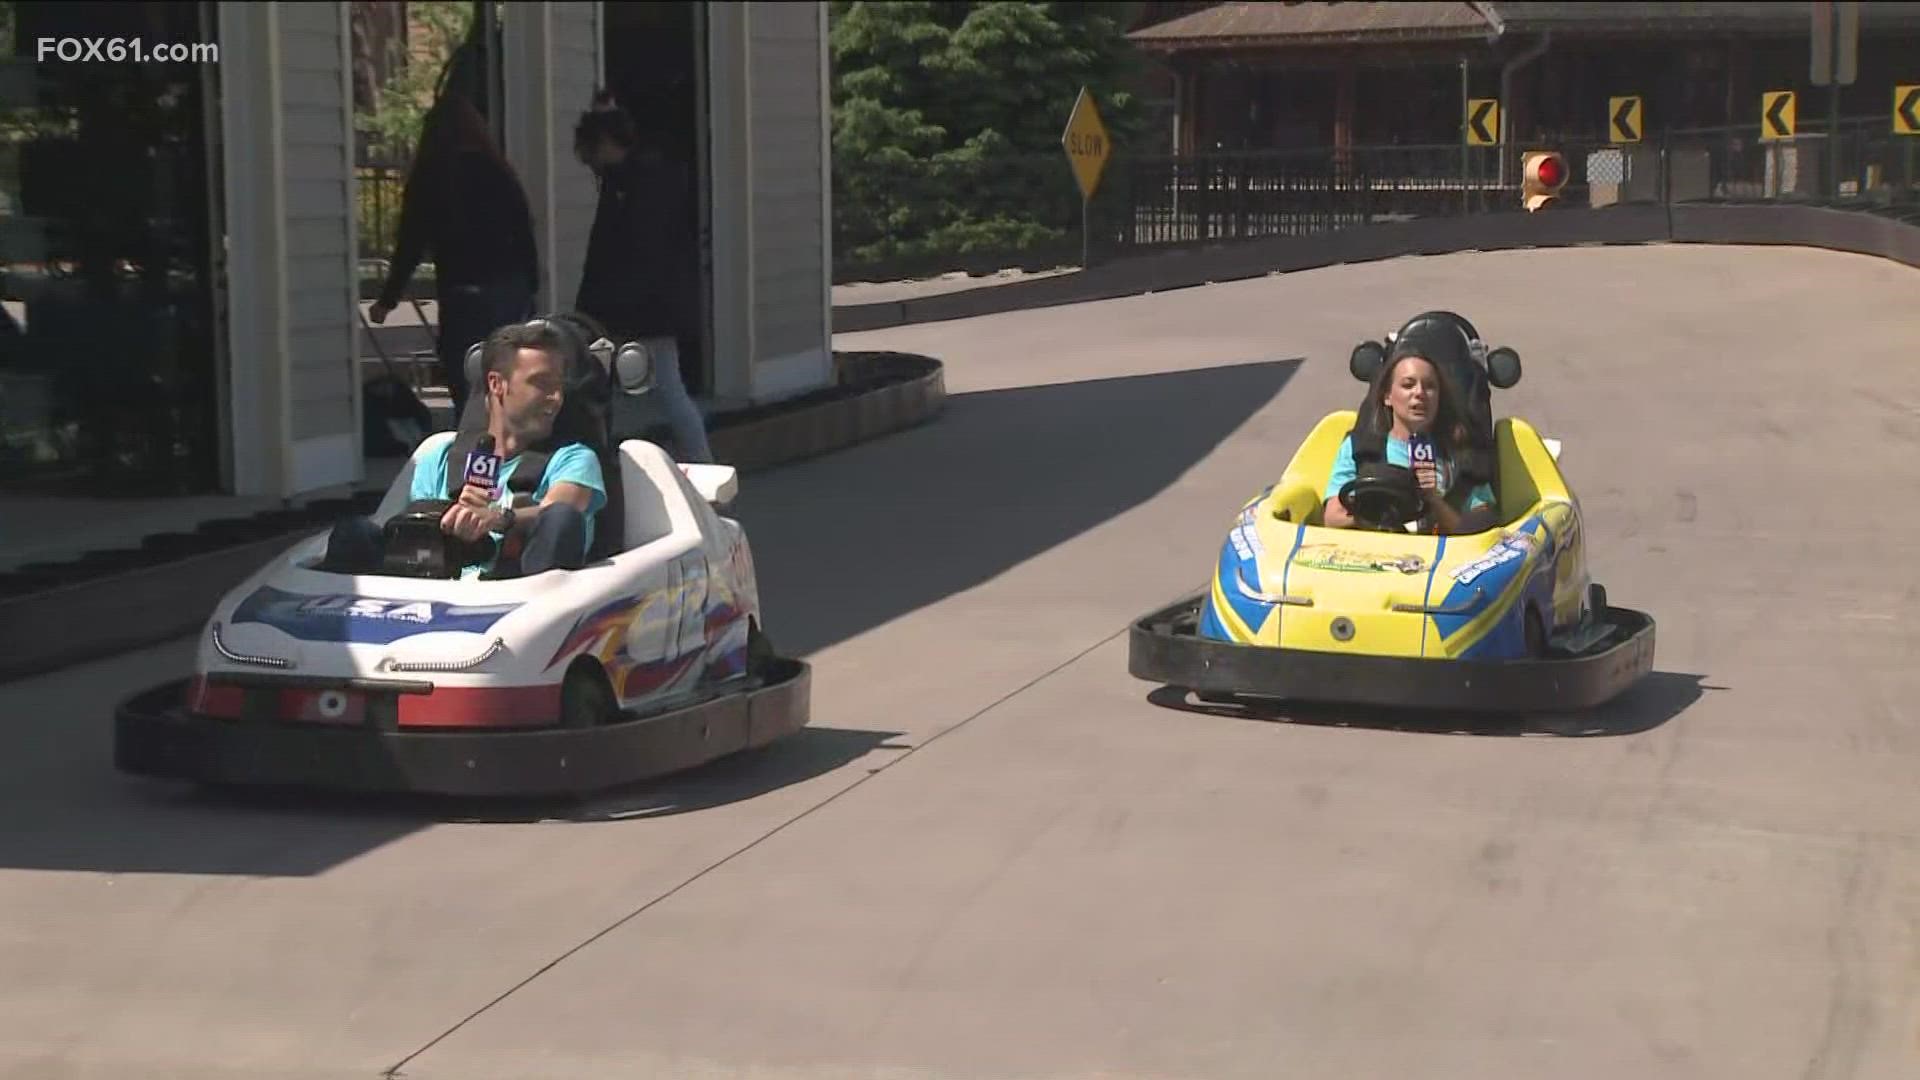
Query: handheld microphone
[(1421, 452), (483, 467)]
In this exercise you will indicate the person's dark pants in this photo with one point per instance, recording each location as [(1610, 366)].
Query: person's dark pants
[(468, 313), (557, 541), (353, 547)]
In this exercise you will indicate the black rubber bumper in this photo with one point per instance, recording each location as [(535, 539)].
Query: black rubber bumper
[(1165, 648), (155, 735)]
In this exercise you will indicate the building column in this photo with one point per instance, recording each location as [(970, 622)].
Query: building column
[(256, 267), (527, 119), (292, 286), (1179, 110), (1346, 84), (1739, 79), (728, 82), (552, 63), (772, 212)]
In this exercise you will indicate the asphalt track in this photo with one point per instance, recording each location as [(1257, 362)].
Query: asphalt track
[(995, 857)]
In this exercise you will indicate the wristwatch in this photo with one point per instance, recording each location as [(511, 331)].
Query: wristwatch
[(506, 519)]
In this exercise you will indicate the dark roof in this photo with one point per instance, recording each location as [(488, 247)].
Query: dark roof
[(1640, 16), (1239, 25), (1290, 22)]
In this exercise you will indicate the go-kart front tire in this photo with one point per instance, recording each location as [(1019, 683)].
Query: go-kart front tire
[(587, 699)]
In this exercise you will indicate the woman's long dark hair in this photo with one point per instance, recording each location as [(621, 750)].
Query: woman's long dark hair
[(453, 126), (1449, 427)]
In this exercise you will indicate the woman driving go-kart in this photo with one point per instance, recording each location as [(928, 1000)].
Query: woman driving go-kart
[(1412, 404), (1415, 552)]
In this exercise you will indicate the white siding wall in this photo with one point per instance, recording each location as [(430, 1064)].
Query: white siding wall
[(785, 117), (552, 62), (575, 65), (319, 238), (290, 232), (770, 198), (784, 42)]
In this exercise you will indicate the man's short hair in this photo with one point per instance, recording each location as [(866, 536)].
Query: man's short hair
[(606, 121), (502, 350)]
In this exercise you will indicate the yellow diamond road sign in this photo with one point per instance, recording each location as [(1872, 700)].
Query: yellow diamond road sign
[(1483, 122), (1623, 119), (1776, 115), (1906, 110), (1086, 143)]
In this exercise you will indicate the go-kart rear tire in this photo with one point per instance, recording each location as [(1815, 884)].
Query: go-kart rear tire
[(586, 697), (760, 654)]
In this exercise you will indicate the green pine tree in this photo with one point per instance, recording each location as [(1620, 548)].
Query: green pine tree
[(947, 120)]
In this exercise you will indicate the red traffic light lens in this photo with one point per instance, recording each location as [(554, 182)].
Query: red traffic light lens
[(1551, 172)]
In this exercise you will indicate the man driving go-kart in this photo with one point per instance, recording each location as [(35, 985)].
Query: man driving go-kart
[(524, 389), (596, 623), (1416, 405)]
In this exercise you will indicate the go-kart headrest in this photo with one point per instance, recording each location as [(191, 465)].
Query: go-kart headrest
[(1448, 340), (633, 369), (1440, 336), (587, 362), (1467, 367)]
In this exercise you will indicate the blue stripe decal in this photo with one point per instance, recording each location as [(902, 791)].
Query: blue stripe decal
[(1493, 573), (362, 620), (1426, 621), (1210, 625), (1250, 611), (1286, 571)]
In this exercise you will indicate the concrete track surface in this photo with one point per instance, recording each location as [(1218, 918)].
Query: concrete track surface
[(994, 857)]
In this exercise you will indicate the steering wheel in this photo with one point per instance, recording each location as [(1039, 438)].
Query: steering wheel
[(414, 545), (1383, 496)]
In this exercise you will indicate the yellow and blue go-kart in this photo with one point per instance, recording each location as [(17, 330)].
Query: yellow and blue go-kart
[(1506, 620)]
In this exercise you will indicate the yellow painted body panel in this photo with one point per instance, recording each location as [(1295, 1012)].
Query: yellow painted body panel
[(1310, 576)]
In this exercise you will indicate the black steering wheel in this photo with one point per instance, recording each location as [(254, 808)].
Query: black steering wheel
[(1383, 496), (414, 545)]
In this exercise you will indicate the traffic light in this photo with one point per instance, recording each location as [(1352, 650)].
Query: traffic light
[(1543, 173)]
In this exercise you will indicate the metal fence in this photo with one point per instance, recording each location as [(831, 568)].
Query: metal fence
[(1152, 202), (902, 217), (379, 187)]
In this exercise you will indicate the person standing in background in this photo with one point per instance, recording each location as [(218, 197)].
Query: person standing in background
[(465, 206), (645, 218)]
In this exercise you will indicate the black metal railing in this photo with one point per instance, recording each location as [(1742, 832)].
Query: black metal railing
[(1147, 202), (901, 216), (379, 187)]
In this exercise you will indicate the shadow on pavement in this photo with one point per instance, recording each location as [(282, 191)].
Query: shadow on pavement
[(843, 544), (810, 752), (1656, 699), (66, 808), (852, 541)]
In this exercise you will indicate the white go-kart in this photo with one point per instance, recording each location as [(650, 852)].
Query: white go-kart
[(649, 659)]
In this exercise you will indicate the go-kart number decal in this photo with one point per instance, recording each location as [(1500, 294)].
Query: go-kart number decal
[(1246, 537), (1513, 546), (362, 620), (1329, 557)]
